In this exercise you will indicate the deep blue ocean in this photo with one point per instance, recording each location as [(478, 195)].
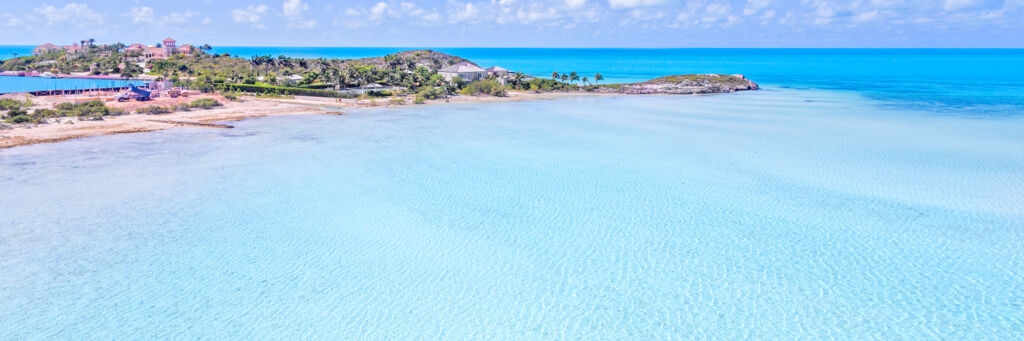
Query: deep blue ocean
[(860, 195)]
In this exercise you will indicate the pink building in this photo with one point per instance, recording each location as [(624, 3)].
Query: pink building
[(170, 46), (45, 48)]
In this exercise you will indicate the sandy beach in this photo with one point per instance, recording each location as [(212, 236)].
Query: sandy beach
[(244, 108)]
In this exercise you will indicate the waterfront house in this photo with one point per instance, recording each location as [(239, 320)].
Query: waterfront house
[(186, 49), (497, 71), (134, 48), (44, 49), (74, 49), (152, 52), (467, 71)]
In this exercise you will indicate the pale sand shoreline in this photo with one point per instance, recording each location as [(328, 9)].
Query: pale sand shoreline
[(247, 107)]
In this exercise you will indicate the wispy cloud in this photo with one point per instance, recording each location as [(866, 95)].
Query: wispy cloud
[(252, 15), (294, 13), (75, 14)]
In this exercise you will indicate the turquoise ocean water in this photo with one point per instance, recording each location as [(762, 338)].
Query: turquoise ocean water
[(848, 209)]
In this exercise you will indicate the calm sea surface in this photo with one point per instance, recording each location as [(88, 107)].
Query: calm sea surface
[(869, 194)]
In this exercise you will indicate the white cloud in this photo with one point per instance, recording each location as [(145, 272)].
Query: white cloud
[(464, 12), (252, 15), (146, 15), (142, 15), (756, 6), (294, 11), (8, 20), (704, 14), (378, 11), (178, 17), (575, 3), (956, 5), (617, 4), (538, 13), (359, 17), (73, 13)]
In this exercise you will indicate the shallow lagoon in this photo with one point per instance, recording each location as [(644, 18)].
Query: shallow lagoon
[(774, 214)]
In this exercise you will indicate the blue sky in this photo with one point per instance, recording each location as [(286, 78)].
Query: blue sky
[(524, 23)]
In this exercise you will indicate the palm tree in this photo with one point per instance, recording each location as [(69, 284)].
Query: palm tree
[(585, 80), (565, 77), (517, 78), (574, 76), (554, 75), (598, 78)]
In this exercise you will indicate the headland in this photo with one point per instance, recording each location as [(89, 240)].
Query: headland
[(187, 86)]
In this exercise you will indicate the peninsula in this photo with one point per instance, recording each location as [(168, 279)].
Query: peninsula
[(189, 85)]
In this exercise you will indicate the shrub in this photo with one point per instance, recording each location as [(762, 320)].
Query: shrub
[(153, 110), (8, 104), (485, 86), (398, 101), (379, 93), (205, 103), (231, 97), (182, 107), (16, 112), (419, 99), (45, 113), (19, 119), (90, 108), (431, 93), (263, 88)]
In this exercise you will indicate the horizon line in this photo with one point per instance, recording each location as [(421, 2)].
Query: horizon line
[(602, 47)]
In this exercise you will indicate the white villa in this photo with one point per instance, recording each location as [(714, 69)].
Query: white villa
[(497, 71), (465, 70)]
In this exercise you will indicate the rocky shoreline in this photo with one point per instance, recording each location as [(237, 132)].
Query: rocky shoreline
[(682, 85)]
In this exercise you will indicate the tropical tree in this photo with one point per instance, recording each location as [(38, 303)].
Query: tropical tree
[(565, 77), (130, 70), (554, 75), (517, 78), (585, 80), (574, 76), (598, 78)]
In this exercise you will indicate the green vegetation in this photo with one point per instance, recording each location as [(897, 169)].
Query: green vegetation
[(485, 86), (205, 103), (277, 90), (379, 93), (12, 104), (202, 103), (397, 101), (153, 110), (85, 110), (429, 94), (724, 79)]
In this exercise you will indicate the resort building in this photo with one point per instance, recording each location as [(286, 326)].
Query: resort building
[(45, 48), (467, 71), (154, 53), (497, 71), (170, 47), (135, 48), (137, 52)]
